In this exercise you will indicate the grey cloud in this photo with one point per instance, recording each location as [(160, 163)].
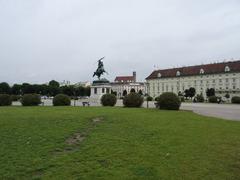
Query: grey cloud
[(60, 39)]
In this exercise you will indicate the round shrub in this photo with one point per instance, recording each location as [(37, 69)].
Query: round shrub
[(213, 99), (15, 97), (169, 101), (149, 98), (61, 100), (200, 98), (133, 100), (108, 100), (31, 100), (5, 100), (235, 100)]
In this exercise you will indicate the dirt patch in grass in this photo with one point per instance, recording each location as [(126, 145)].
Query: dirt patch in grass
[(97, 120), (78, 137), (75, 139)]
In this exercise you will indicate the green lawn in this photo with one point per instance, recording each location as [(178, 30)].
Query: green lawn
[(39, 143)]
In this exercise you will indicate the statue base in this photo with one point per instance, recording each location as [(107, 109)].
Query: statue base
[(101, 81), (98, 89)]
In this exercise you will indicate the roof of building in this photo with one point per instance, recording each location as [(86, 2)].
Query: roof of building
[(128, 83), (215, 68), (124, 78)]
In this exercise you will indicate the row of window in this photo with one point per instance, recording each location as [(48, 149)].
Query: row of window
[(178, 73), (107, 90), (171, 88)]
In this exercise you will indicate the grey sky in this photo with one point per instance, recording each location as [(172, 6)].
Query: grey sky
[(62, 39)]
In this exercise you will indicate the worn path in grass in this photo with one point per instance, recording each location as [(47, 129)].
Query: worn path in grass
[(116, 143)]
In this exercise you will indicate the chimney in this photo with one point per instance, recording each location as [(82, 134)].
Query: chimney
[(134, 76)]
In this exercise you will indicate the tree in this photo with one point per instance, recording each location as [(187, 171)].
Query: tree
[(44, 90), (191, 92), (124, 92), (16, 89), (4, 88), (54, 83), (227, 96), (68, 90), (27, 88), (210, 92), (186, 93), (140, 92), (87, 91), (53, 90), (80, 91), (132, 90)]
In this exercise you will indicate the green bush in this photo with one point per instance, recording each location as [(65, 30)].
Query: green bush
[(31, 100), (133, 100), (149, 98), (169, 101), (157, 98), (182, 99), (15, 97), (61, 100), (200, 98), (108, 100), (5, 100), (235, 100), (213, 99)]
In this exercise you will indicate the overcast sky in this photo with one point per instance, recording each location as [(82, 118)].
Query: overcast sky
[(62, 39)]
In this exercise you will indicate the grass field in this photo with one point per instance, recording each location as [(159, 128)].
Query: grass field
[(116, 143)]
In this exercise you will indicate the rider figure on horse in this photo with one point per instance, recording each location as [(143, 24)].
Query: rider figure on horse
[(100, 70)]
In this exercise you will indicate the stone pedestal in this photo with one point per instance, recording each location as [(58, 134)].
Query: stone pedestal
[(98, 89)]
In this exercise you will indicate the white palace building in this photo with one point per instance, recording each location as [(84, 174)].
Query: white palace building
[(223, 77)]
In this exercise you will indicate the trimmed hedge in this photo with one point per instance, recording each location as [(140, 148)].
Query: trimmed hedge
[(213, 99), (200, 98), (108, 100), (61, 100), (31, 100), (133, 100), (149, 98), (235, 100), (169, 101), (5, 100), (15, 97)]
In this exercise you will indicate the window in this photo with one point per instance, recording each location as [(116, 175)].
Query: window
[(103, 90), (234, 80), (227, 69), (201, 71), (95, 90), (226, 80), (213, 81), (234, 87), (108, 90)]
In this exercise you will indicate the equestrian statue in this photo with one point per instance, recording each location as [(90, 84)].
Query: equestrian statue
[(100, 70)]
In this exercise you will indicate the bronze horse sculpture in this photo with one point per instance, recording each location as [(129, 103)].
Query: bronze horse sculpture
[(100, 70)]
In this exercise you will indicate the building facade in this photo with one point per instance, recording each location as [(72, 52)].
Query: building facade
[(126, 83), (223, 77)]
